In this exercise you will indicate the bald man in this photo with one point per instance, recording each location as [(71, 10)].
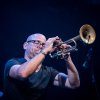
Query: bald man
[(26, 78)]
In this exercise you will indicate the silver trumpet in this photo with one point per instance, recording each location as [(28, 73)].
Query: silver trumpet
[(86, 34)]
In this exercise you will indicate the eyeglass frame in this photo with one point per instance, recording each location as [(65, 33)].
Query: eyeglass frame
[(36, 42)]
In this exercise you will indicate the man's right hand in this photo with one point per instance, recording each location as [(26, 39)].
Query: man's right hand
[(49, 45)]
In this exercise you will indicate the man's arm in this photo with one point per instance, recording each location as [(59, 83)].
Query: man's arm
[(71, 80), (27, 68)]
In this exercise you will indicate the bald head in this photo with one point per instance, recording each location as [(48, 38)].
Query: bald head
[(36, 36)]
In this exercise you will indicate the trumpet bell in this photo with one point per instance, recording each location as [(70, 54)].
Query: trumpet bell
[(87, 34)]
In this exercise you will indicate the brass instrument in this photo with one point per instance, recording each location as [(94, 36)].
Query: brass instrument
[(87, 35)]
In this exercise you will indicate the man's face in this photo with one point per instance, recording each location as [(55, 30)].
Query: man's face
[(35, 44)]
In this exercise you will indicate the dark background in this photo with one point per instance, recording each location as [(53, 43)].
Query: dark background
[(62, 18)]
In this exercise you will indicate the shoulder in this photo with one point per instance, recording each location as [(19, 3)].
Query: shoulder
[(12, 62), (15, 61)]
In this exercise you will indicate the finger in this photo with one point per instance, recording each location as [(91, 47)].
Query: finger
[(66, 46), (53, 38)]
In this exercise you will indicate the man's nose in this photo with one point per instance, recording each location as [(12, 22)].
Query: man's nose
[(40, 46)]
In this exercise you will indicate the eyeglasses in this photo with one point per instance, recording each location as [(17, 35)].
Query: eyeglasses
[(36, 42)]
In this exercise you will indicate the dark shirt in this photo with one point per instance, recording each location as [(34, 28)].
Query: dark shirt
[(30, 88)]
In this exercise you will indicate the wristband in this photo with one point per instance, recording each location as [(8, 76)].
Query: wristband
[(43, 53)]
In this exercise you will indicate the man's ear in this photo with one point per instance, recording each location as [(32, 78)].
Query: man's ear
[(25, 45)]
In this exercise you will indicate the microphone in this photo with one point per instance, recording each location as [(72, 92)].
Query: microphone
[(88, 58)]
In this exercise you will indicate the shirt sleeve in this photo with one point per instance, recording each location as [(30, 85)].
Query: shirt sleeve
[(9, 64)]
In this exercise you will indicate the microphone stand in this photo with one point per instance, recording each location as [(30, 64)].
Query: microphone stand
[(89, 63)]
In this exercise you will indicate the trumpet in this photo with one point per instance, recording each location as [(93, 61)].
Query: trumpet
[(86, 34)]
